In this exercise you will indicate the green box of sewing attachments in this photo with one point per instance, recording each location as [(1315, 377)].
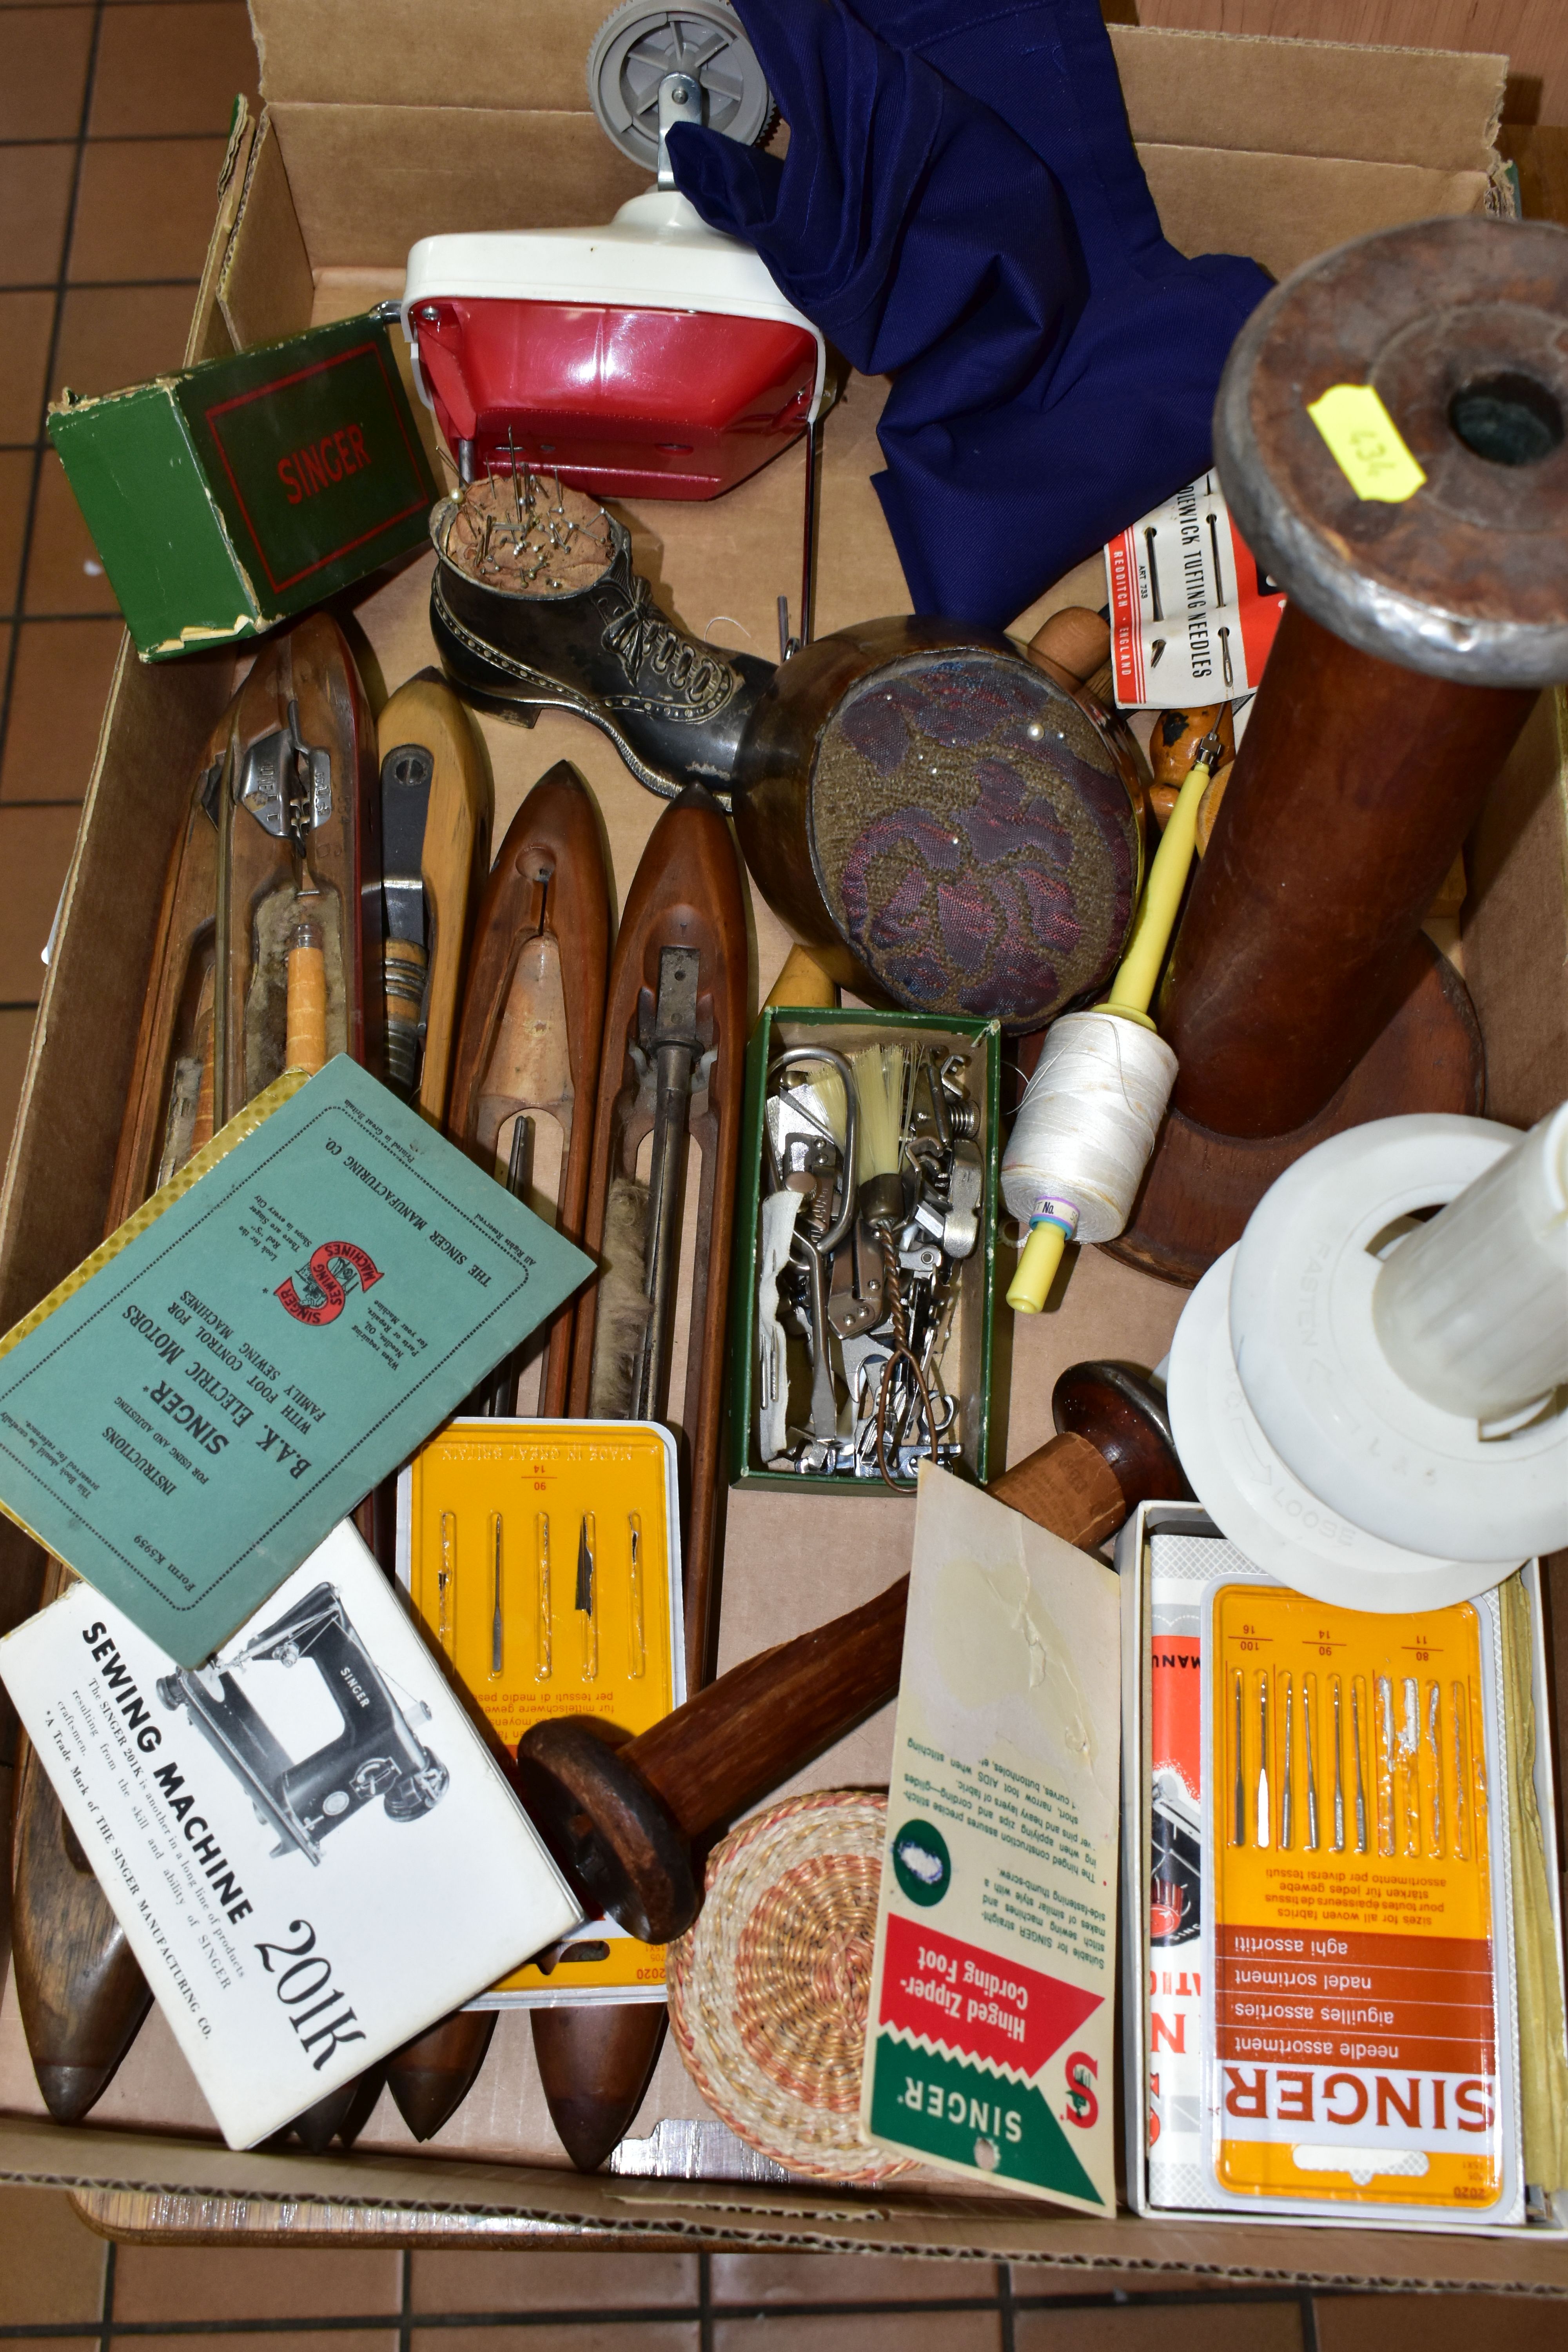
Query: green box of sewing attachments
[(912, 1260), (232, 496)]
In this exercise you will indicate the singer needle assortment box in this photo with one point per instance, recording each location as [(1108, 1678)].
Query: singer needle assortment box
[(376, 132)]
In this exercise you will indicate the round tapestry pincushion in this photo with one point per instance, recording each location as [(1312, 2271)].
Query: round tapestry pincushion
[(768, 1991), (940, 822)]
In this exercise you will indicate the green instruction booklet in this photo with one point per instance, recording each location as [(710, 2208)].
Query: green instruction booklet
[(188, 1419)]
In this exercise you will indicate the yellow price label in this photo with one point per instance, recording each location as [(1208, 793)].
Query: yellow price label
[(1366, 444)]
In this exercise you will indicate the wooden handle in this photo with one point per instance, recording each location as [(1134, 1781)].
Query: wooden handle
[(757, 1724), (305, 1047), (454, 862)]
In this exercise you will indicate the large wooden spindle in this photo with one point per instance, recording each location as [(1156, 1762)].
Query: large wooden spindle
[(624, 1815), (1302, 997), (1353, 789)]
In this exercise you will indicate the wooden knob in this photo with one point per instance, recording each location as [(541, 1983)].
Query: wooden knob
[(1075, 640), (623, 1815)]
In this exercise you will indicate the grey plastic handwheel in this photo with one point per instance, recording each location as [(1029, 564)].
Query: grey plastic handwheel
[(636, 47)]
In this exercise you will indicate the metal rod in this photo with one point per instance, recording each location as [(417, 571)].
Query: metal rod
[(808, 544), (676, 1048)]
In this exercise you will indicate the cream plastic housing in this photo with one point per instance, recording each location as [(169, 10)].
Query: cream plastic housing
[(1471, 1310), (1326, 1396), (655, 254)]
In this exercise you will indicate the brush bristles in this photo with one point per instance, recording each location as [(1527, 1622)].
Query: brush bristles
[(823, 1097), (879, 1093)]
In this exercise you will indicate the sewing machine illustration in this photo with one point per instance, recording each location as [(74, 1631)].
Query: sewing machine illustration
[(375, 1754)]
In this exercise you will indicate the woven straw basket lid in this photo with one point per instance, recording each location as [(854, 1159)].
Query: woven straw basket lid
[(768, 1993)]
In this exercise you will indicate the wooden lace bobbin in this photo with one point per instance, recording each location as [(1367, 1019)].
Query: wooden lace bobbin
[(768, 1993), (1302, 998)]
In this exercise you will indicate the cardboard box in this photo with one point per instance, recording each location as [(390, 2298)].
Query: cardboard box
[(238, 494), (383, 126)]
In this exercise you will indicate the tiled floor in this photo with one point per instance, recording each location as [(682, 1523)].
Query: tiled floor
[(58, 2282), (112, 121), (112, 115)]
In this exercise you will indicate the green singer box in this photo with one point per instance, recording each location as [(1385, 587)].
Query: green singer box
[(229, 497)]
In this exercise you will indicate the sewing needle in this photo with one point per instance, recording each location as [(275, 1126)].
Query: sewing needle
[(1434, 1703), (444, 1579), (1338, 1777), (586, 1596), (1360, 1783), (1309, 1685), (1240, 1837), (638, 1646), (1263, 1836), (1410, 1760), (541, 1671), (1287, 1807), (498, 1619)]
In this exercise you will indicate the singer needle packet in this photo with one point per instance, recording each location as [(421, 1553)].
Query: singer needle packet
[(989, 2045), (193, 1410), (310, 1847)]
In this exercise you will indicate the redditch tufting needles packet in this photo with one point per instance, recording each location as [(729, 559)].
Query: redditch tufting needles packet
[(194, 1409), (308, 1845), (989, 2044)]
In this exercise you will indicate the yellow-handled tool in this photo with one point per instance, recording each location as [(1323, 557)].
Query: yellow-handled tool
[(1131, 992)]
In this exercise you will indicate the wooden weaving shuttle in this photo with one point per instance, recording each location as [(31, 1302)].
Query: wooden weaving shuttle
[(533, 1021), (676, 1022), (300, 721), (675, 1039), (437, 806), (527, 1048)]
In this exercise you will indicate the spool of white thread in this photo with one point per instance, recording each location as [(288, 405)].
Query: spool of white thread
[(1086, 1124)]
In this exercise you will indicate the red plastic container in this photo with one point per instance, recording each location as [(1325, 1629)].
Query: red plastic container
[(619, 401)]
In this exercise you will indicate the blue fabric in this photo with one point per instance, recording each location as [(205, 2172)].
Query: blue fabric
[(961, 208)]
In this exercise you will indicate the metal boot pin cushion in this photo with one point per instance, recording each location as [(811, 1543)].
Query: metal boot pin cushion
[(535, 604)]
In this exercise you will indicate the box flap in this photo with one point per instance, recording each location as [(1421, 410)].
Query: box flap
[(1438, 107), (491, 54)]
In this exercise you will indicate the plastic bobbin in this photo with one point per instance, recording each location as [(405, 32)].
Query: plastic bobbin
[(1326, 1396), (1255, 1499)]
